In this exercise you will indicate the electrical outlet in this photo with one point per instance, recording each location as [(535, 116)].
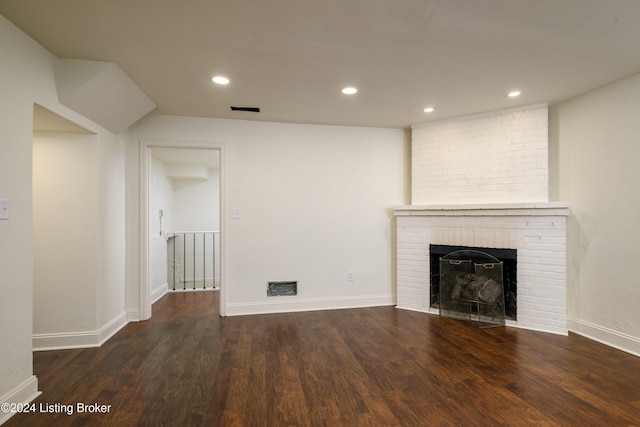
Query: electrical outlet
[(235, 213), (350, 276)]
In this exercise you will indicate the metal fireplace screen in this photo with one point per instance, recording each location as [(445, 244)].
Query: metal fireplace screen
[(471, 288)]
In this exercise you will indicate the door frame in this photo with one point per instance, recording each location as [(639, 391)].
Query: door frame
[(145, 169)]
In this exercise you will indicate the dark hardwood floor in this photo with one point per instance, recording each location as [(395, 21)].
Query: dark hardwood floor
[(362, 367)]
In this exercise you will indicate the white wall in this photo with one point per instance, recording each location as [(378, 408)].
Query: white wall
[(196, 204), (65, 225), (315, 203), (160, 197), (496, 157), (597, 137), (27, 76), (111, 233)]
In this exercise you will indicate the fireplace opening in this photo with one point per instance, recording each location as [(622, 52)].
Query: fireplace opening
[(473, 269)]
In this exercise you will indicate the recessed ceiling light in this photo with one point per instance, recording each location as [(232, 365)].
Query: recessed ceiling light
[(514, 93), (429, 110), (349, 90), (221, 80)]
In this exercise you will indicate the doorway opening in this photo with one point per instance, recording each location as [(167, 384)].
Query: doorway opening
[(182, 245)]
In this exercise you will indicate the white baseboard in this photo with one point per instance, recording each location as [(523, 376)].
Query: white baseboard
[(24, 393), (606, 336), (427, 310), (554, 331), (110, 329), (288, 304), (85, 339), (133, 315), (159, 292)]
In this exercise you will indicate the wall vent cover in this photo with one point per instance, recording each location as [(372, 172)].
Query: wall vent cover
[(248, 109), (278, 289)]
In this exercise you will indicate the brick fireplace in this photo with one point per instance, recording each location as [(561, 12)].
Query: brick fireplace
[(483, 181), (536, 230)]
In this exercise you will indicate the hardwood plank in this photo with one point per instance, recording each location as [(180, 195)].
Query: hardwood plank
[(362, 367)]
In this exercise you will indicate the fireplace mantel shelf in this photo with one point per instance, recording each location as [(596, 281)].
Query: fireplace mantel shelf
[(490, 209)]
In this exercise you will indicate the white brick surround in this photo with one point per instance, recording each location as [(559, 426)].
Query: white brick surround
[(536, 230), (497, 157)]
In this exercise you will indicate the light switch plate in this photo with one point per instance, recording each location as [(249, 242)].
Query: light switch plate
[(4, 209)]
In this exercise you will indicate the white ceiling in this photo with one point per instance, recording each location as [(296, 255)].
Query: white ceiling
[(292, 57)]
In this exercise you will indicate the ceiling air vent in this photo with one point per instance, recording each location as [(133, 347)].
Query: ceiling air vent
[(249, 109)]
